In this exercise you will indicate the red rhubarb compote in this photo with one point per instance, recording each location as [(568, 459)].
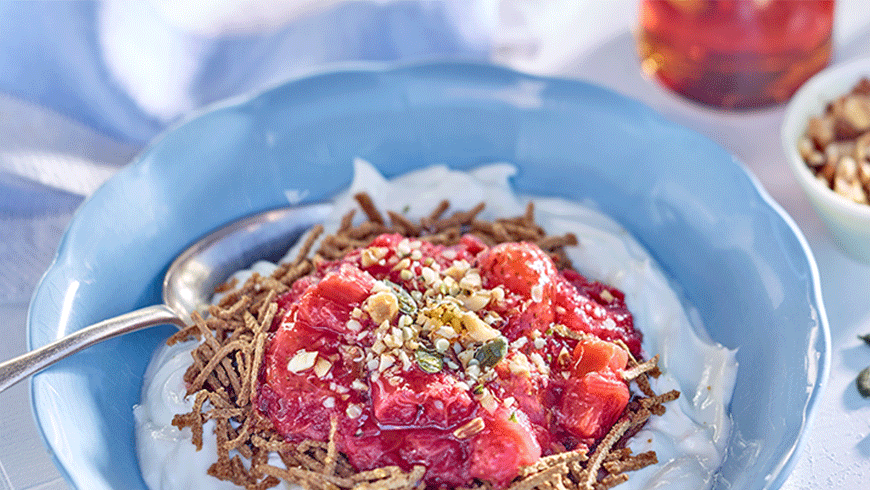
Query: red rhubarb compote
[(461, 358)]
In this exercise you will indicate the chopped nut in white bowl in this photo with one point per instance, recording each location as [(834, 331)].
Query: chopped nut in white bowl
[(826, 140)]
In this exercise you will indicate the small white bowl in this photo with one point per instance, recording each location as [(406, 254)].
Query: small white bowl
[(848, 221)]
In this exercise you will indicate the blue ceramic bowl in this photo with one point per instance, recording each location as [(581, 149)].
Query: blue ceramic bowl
[(737, 256)]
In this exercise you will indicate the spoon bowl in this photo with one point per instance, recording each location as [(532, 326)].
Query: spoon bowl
[(188, 284)]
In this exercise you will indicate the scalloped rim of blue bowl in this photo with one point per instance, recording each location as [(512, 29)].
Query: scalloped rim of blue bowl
[(302, 135)]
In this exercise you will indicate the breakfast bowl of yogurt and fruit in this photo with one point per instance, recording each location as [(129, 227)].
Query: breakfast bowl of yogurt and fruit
[(522, 282)]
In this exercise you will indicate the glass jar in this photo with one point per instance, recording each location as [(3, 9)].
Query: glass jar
[(735, 54)]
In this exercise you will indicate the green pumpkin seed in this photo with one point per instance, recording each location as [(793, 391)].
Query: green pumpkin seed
[(491, 352), (407, 305), (863, 382), (428, 361)]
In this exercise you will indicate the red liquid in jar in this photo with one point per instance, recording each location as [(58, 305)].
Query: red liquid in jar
[(735, 54)]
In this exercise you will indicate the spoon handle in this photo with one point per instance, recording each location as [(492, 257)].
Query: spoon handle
[(14, 370)]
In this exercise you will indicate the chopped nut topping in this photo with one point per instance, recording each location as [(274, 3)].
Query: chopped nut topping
[(354, 325), (402, 264), (321, 367), (476, 301), (476, 329), (373, 364), (382, 306), (353, 410), (471, 428), (405, 360), (372, 256), (542, 366), (519, 364), (386, 362), (359, 385), (404, 248), (442, 344), (519, 343), (429, 275), (488, 401), (379, 347), (301, 361)]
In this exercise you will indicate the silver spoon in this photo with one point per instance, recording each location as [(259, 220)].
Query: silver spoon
[(188, 284)]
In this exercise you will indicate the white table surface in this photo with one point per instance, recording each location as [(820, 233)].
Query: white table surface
[(594, 42)]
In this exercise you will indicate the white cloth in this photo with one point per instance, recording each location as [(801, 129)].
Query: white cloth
[(128, 69)]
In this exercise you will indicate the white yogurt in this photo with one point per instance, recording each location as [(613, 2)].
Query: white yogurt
[(690, 439)]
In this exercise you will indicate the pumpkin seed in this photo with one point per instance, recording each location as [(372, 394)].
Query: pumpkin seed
[(428, 361), (491, 352), (407, 305), (863, 382)]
